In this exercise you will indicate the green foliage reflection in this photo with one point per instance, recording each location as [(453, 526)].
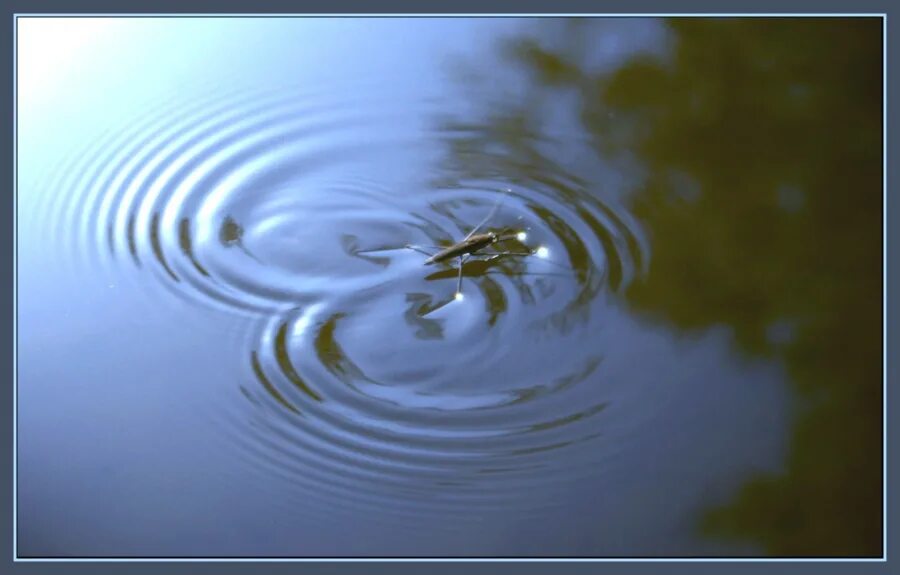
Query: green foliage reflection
[(762, 144)]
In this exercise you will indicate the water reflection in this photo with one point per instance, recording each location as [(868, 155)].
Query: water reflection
[(595, 236), (336, 389), (332, 356), (267, 385), (184, 239), (759, 147), (420, 305)]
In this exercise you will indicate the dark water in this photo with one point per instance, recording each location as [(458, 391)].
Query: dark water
[(225, 350)]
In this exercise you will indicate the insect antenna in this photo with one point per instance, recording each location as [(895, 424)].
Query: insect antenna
[(490, 214)]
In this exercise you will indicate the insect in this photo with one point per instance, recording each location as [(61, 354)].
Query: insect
[(472, 244)]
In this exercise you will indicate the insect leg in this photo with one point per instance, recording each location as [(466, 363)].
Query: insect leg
[(417, 249), (490, 214), (462, 260), (491, 257)]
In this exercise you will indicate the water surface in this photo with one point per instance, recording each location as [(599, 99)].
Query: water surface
[(226, 350)]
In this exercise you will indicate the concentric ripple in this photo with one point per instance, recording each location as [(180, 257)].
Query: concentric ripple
[(443, 402), (215, 198), (371, 381)]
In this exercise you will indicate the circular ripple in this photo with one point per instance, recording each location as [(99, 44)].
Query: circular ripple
[(219, 200), (421, 442), (367, 369), (442, 402)]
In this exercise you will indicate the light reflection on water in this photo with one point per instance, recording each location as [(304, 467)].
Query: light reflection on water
[(222, 333)]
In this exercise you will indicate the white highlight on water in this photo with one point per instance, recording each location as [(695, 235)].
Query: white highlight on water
[(458, 296), (521, 236), (542, 252)]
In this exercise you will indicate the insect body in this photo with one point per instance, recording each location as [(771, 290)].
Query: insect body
[(472, 244), (469, 246)]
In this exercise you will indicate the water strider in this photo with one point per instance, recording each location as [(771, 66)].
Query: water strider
[(472, 244)]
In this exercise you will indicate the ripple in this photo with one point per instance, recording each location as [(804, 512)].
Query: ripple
[(365, 367), (183, 191), (425, 432)]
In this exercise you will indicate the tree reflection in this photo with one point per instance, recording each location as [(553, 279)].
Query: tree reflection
[(760, 147)]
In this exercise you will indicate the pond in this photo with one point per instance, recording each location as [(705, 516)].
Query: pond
[(228, 348)]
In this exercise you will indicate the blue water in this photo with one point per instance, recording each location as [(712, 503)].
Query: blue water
[(225, 350)]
